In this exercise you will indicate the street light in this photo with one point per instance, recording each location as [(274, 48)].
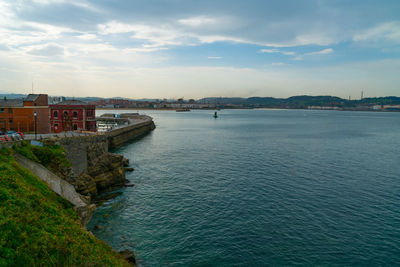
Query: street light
[(35, 115)]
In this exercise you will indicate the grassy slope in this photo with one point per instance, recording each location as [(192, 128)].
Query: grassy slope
[(39, 228), (52, 157)]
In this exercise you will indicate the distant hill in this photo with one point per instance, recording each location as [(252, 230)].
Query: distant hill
[(301, 101), (11, 95)]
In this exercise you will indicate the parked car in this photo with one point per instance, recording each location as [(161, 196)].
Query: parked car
[(2, 138), (1, 133), (8, 138), (14, 136), (21, 134)]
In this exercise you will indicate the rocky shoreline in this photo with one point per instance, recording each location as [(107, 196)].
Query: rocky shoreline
[(93, 170)]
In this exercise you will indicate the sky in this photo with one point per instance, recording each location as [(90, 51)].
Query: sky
[(195, 49)]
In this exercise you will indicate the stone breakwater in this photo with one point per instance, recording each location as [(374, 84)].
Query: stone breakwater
[(94, 169), (139, 125)]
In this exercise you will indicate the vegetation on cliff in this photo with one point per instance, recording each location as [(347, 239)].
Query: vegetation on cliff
[(52, 155), (39, 228)]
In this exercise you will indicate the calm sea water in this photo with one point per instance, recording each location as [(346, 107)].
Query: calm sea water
[(261, 188)]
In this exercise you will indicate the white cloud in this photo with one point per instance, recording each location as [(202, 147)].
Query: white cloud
[(88, 36), (78, 3), (321, 52), (214, 57), (269, 51), (389, 31), (278, 64), (29, 33), (298, 58), (274, 50), (315, 53), (198, 21), (288, 53), (316, 38), (156, 36), (47, 50)]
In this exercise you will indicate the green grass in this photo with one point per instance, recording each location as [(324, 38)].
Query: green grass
[(46, 155), (39, 228)]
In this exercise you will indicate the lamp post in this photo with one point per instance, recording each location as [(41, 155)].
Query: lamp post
[(35, 115)]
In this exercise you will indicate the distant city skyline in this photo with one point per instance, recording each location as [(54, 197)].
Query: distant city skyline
[(195, 49)]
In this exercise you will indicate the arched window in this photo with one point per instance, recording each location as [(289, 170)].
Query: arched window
[(75, 114), (66, 113), (75, 127), (56, 114)]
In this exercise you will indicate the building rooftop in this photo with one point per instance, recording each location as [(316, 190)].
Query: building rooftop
[(72, 102), (31, 97)]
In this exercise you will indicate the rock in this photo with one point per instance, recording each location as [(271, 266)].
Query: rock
[(98, 227), (86, 185), (125, 162), (103, 198), (129, 185), (128, 256), (129, 169), (85, 213)]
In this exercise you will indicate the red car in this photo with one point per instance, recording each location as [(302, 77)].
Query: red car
[(3, 138)]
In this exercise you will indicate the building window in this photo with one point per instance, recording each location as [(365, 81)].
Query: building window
[(56, 114), (75, 127), (66, 113), (10, 110), (10, 121), (56, 126), (75, 114), (1, 110)]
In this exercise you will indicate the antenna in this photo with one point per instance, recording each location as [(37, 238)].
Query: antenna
[(32, 86), (362, 95)]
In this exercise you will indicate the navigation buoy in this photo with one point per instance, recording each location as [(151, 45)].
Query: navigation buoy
[(215, 115)]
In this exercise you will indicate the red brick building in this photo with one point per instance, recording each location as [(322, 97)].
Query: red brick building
[(18, 114), (72, 115)]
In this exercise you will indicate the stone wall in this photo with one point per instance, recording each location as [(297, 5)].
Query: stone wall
[(118, 137), (80, 149), (60, 187), (94, 170)]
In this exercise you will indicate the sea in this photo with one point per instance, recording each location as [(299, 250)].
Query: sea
[(260, 187)]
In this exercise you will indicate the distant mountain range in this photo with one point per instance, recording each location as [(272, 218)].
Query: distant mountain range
[(302, 101), (12, 96)]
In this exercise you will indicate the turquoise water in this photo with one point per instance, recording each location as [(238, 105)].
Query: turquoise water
[(261, 188)]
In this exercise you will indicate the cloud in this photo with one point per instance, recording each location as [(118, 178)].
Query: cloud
[(315, 53), (198, 21), (154, 36), (278, 64), (48, 50), (88, 36), (321, 52), (96, 39), (274, 50), (388, 32), (270, 51)]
